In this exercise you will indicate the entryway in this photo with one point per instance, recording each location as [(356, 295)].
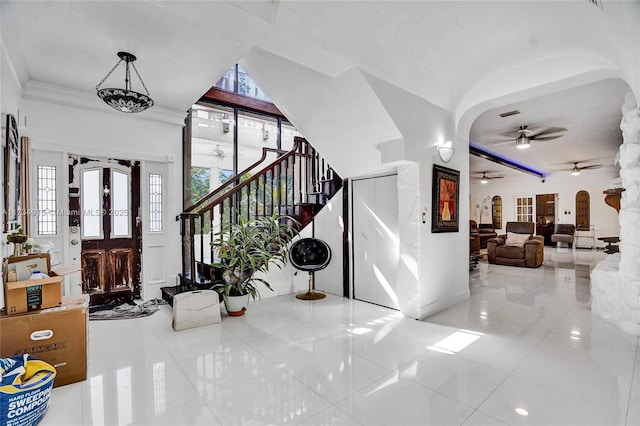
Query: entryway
[(104, 205)]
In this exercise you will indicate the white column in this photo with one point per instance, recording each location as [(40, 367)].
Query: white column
[(615, 282), (409, 217)]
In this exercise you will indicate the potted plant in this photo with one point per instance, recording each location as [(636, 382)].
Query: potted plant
[(18, 238), (247, 248)]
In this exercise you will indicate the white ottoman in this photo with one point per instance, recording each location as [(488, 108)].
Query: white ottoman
[(195, 308)]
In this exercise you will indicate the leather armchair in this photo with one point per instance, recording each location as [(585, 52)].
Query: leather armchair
[(474, 238), (530, 254), (485, 232), (563, 233)]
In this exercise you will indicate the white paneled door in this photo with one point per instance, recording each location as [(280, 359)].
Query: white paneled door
[(375, 240)]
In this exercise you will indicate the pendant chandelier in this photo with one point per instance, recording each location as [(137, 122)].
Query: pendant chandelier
[(125, 100)]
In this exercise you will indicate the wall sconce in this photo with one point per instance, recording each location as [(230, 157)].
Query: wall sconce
[(445, 151)]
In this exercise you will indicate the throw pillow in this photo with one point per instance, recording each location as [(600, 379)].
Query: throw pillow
[(518, 240)]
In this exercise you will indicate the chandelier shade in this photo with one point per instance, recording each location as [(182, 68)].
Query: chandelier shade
[(125, 100)]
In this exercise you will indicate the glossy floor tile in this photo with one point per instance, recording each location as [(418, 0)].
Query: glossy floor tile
[(523, 350)]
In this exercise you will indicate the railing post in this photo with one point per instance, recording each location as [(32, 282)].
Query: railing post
[(187, 231)]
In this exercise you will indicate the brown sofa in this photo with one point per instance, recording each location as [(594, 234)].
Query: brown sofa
[(530, 254)]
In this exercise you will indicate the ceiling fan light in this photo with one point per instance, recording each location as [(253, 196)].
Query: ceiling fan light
[(523, 141), (575, 171), (484, 180)]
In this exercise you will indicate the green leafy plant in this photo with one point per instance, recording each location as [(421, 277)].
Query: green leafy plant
[(251, 246), (18, 237)]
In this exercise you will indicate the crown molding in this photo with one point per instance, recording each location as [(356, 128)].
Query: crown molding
[(44, 92)]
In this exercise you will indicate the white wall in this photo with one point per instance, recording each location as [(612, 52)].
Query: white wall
[(603, 217), (430, 276), (327, 226)]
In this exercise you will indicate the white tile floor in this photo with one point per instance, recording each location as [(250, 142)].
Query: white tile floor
[(526, 339)]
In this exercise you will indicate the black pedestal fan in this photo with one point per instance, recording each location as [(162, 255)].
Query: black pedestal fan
[(310, 254)]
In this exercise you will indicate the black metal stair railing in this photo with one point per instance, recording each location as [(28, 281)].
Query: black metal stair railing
[(297, 183)]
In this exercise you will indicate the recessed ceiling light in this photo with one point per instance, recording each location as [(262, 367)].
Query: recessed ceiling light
[(522, 411)]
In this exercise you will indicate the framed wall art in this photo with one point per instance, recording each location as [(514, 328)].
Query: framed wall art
[(445, 195)]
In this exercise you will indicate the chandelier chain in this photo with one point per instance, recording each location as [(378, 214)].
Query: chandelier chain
[(110, 72), (140, 78)]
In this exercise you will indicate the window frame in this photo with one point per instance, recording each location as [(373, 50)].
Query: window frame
[(520, 215), (39, 200)]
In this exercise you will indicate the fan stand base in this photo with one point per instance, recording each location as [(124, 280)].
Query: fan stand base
[(311, 294)]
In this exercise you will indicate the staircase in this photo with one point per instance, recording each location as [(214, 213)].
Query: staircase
[(297, 183)]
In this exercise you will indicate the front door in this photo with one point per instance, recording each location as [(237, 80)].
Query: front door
[(105, 199)]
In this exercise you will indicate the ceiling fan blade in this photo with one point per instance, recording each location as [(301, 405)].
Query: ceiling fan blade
[(550, 130), (544, 138), (485, 172), (594, 166), (512, 134)]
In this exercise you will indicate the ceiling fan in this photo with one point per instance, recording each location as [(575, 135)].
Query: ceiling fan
[(523, 136), (485, 179), (575, 170)]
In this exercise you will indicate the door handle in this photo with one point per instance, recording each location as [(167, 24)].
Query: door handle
[(74, 242)]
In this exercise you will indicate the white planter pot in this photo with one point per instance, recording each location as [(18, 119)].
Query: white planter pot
[(236, 305)]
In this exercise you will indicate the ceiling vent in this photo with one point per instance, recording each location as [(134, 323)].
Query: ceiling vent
[(507, 114)]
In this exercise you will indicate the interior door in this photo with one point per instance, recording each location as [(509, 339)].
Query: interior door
[(105, 196), (375, 240)]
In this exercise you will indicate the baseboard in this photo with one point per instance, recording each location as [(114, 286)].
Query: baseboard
[(441, 305)]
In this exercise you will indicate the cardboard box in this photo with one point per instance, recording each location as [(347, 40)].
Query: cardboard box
[(32, 295), (28, 295), (57, 336)]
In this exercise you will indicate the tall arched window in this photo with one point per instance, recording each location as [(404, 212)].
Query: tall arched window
[(496, 212)]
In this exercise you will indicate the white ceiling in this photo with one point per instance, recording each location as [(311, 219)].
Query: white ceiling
[(590, 113), (440, 51)]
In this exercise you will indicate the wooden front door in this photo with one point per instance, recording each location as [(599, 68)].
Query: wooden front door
[(107, 202)]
